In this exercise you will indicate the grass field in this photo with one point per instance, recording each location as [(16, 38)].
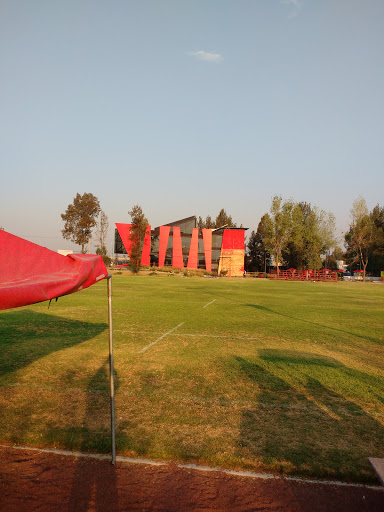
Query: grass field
[(239, 373)]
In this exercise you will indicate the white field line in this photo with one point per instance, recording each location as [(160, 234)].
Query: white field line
[(208, 303), (159, 339), (195, 467), (216, 336), (129, 331)]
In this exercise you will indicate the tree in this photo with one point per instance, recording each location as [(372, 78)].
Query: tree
[(209, 224), (223, 219), (101, 236), (256, 256), (326, 232), (206, 224), (200, 223), (106, 259), (362, 234), (137, 236), (101, 232), (293, 251), (278, 227), (377, 216), (312, 235), (80, 218), (376, 257), (337, 255)]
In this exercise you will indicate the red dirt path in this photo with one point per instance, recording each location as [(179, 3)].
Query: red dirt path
[(33, 481)]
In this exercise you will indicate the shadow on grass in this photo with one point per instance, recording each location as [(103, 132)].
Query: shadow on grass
[(285, 357), (94, 432), (310, 431), (90, 487), (26, 336), (290, 317), (303, 320), (292, 356), (93, 435)]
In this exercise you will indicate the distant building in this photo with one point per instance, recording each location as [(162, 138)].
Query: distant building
[(341, 265), (181, 244)]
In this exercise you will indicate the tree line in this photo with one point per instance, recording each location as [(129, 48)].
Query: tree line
[(302, 236), (290, 235), (222, 219)]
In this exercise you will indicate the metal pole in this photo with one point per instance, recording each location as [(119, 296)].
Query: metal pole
[(111, 371)]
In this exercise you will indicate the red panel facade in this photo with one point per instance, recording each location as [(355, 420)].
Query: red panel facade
[(233, 239), (163, 242), (230, 262), (232, 252), (145, 255), (125, 233), (207, 239), (177, 250), (193, 249)]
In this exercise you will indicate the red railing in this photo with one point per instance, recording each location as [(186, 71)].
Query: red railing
[(304, 275)]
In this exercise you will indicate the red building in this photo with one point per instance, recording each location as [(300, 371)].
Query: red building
[(181, 244)]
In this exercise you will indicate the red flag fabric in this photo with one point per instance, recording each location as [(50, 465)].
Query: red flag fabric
[(30, 273)]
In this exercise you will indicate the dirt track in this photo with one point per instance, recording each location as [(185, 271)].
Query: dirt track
[(34, 481)]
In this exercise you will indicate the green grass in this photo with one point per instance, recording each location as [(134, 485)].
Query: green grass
[(270, 376)]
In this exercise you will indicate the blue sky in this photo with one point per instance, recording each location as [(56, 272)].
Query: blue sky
[(187, 107)]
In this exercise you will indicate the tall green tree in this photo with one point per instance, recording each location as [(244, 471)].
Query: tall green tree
[(101, 237), (80, 218), (279, 224), (102, 232), (326, 232), (312, 236), (256, 254), (377, 216), (223, 219), (376, 258), (362, 234), (209, 224), (336, 255), (293, 251), (205, 224), (137, 236)]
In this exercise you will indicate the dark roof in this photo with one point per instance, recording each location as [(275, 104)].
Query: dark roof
[(178, 222), (227, 227), (193, 218), (181, 221)]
